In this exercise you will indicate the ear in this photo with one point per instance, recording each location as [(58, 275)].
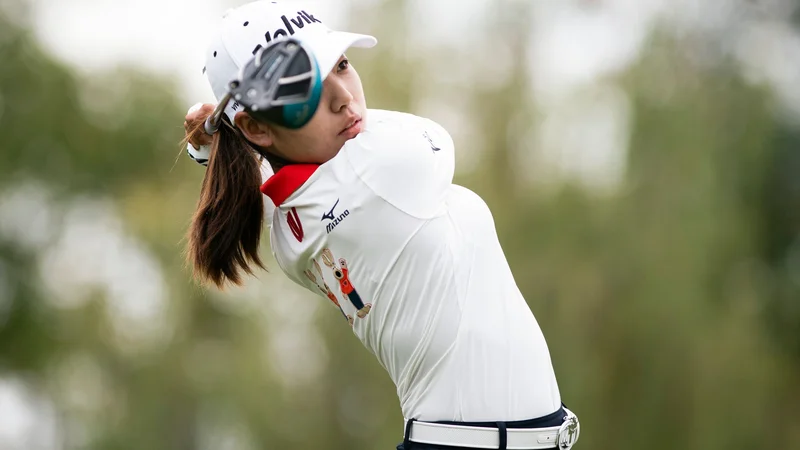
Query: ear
[(256, 132)]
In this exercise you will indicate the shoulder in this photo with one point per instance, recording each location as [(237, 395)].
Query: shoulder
[(384, 116), (406, 160), (399, 128), (382, 119), (388, 131)]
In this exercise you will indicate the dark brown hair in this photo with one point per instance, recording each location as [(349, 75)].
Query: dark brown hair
[(225, 232)]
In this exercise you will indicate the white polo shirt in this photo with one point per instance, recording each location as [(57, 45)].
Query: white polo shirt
[(382, 228)]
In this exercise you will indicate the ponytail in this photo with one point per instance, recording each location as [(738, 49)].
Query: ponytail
[(225, 232)]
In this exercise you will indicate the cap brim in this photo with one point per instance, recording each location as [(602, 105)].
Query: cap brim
[(330, 46)]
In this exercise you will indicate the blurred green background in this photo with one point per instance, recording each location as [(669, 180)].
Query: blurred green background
[(648, 203)]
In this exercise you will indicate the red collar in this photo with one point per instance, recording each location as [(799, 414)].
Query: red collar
[(287, 180)]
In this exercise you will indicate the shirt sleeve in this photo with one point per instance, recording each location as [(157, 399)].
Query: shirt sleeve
[(407, 160)]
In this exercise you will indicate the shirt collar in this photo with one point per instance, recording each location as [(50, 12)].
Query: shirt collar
[(286, 181)]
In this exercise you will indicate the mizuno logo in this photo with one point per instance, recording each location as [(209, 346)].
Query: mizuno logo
[(331, 215), (300, 21)]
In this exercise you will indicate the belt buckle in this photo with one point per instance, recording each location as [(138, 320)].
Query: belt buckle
[(569, 431)]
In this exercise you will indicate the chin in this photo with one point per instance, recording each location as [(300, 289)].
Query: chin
[(332, 154)]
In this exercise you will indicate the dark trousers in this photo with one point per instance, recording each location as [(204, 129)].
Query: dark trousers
[(551, 420)]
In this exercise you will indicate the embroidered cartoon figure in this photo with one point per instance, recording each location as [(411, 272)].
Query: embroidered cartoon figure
[(342, 275), (326, 290)]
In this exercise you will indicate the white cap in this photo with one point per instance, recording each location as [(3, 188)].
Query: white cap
[(247, 28)]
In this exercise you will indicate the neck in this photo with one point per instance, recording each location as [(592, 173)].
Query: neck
[(276, 161)]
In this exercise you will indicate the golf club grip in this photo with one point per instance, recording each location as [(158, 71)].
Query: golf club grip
[(210, 128), (212, 123)]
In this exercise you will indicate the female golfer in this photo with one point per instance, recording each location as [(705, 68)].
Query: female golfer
[(364, 199)]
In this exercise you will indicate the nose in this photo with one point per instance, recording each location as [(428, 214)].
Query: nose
[(340, 96)]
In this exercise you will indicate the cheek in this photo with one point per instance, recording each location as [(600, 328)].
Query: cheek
[(318, 134), (320, 126), (357, 89), (359, 99)]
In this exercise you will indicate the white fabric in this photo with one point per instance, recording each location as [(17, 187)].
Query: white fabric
[(235, 43), (447, 322)]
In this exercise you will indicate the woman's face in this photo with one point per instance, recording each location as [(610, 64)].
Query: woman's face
[(339, 118)]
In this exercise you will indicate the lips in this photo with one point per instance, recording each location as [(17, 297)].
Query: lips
[(352, 129)]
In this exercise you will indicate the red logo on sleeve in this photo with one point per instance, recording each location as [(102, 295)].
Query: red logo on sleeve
[(294, 224)]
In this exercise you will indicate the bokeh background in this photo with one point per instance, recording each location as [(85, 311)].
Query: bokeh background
[(641, 157)]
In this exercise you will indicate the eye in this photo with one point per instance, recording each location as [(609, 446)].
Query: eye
[(344, 64)]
